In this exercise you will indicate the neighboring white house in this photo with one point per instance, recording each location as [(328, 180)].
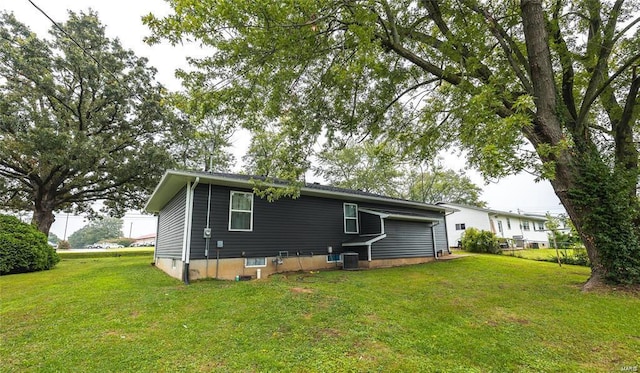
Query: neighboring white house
[(523, 230)]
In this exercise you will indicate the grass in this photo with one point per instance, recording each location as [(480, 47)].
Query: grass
[(476, 314), (126, 251), (537, 254)]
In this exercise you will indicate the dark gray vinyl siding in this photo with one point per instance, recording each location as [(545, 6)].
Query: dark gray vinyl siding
[(369, 223), (171, 228), (405, 239), (306, 225), (440, 231)]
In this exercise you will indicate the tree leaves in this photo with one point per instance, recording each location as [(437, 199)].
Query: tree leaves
[(74, 128)]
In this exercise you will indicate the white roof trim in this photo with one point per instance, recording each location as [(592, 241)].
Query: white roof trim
[(366, 243), (385, 215)]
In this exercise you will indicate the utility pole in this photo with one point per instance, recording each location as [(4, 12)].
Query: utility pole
[(66, 224)]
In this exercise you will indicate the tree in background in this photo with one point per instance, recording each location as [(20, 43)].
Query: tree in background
[(559, 236), (550, 87), (96, 231), (53, 238), (382, 168), (202, 140), (438, 184), (368, 167), (76, 128)]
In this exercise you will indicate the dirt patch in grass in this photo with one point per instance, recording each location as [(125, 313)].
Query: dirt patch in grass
[(301, 290)]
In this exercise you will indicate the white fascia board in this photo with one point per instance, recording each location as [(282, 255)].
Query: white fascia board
[(366, 243), (384, 215)]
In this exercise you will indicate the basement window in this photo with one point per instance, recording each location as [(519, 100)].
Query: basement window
[(255, 262), (334, 258), (461, 227)]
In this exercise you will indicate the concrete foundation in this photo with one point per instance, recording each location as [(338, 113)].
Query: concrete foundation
[(228, 269)]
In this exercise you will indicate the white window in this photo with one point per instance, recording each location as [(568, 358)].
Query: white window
[(350, 218), (334, 258), (525, 225), (255, 262), (540, 226), (241, 211), (461, 227)]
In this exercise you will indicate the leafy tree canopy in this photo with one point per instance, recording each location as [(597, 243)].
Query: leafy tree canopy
[(78, 122), (95, 231), (381, 168), (550, 86)]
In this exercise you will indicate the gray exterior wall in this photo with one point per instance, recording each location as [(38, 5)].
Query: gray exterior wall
[(405, 239), (369, 223), (306, 225), (171, 228)]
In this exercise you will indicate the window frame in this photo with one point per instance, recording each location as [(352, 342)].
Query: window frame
[(231, 211), (246, 265), (461, 226), (525, 225), (345, 218)]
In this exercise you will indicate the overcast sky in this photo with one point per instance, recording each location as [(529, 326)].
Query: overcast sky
[(122, 20)]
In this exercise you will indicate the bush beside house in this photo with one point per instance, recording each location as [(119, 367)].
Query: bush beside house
[(23, 248), (480, 241)]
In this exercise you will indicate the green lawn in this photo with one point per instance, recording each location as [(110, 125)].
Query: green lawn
[(475, 314), (537, 254), (125, 251)]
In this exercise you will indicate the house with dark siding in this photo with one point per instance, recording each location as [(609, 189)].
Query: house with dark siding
[(214, 225)]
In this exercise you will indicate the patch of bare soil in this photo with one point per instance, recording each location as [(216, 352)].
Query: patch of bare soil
[(301, 290)]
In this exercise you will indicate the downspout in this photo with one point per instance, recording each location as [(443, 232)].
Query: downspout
[(208, 238), (369, 252), (433, 235), (155, 247), (187, 248)]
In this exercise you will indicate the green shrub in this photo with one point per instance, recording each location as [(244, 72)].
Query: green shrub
[(124, 241), (477, 241), (64, 245), (578, 256), (23, 248)]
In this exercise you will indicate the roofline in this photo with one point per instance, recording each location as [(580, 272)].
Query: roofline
[(190, 176), (496, 212)]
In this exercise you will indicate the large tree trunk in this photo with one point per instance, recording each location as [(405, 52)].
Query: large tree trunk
[(596, 197), (43, 209), (562, 184)]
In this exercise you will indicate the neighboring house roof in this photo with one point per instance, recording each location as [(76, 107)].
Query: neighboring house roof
[(146, 236), (495, 212), (174, 180)]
